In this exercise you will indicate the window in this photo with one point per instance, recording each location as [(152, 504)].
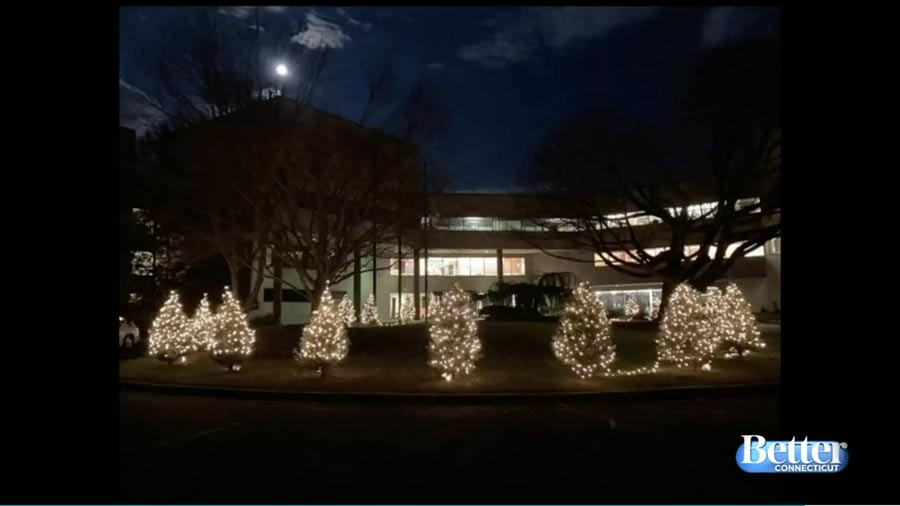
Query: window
[(774, 246), (688, 251), (514, 266), (407, 299), (615, 299), (490, 266), (462, 266)]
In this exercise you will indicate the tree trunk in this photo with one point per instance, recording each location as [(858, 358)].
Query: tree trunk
[(253, 293), (318, 290), (667, 289), (233, 270)]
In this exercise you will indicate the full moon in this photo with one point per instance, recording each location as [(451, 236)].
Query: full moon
[(281, 69)]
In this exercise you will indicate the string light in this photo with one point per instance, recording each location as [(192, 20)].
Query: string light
[(234, 338), (686, 335), (407, 311), (204, 325), (654, 308), (631, 308), (348, 314), (370, 312), (582, 341), (324, 340), (454, 346), (170, 333), (735, 326)]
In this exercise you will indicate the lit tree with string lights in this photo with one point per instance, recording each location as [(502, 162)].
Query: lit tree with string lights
[(347, 311), (324, 341), (582, 341), (204, 325), (407, 311), (734, 324), (454, 347), (654, 309), (631, 308), (170, 333), (686, 336), (370, 312), (234, 339)]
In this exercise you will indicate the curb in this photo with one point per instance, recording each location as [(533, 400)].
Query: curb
[(670, 393)]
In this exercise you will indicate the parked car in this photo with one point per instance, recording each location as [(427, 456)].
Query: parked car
[(129, 334)]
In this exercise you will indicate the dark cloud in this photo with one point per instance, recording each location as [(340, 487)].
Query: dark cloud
[(558, 27)]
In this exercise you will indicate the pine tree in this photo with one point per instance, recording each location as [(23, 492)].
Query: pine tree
[(454, 346), (170, 333), (234, 339), (735, 325), (370, 312), (407, 310), (631, 308), (348, 312), (582, 341), (654, 308), (686, 335), (324, 341), (204, 325)]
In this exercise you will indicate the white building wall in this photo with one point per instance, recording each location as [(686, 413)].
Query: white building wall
[(760, 291)]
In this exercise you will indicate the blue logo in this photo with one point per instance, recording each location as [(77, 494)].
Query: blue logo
[(757, 455)]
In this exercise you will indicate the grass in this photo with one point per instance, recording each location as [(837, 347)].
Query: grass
[(517, 358)]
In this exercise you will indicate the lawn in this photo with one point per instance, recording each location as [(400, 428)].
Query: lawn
[(517, 358)]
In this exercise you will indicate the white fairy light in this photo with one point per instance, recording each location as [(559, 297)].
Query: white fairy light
[(234, 339), (205, 326), (582, 341), (686, 335), (170, 333), (735, 326), (324, 340), (370, 312), (454, 346)]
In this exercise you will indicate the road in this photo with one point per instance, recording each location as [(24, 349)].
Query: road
[(189, 449)]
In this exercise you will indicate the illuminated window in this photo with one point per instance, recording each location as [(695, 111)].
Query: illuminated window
[(688, 251), (514, 266), (462, 266), (490, 266), (774, 246), (477, 265)]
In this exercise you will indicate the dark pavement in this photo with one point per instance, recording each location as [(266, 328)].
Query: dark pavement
[(186, 449)]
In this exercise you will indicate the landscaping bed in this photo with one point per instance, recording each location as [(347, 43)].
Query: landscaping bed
[(517, 358)]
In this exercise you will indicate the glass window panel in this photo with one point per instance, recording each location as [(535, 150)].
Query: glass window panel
[(434, 266), (514, 266), (476, 266), (490, 266), (448, 267), (462, 266)]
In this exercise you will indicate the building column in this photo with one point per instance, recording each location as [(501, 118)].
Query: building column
[(416, 301), (500, 265), (278, 268), (357, 281), (374, 266)]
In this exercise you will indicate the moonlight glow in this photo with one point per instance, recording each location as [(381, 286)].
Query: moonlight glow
[(281, 69)]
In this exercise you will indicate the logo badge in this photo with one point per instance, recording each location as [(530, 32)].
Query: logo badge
[(756, 455)]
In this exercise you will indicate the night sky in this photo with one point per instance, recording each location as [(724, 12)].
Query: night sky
[(507, 75)]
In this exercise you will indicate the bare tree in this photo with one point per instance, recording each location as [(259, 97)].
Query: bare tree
[(629, 188), (335, 196)]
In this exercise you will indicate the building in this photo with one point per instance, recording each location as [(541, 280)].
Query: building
[(478, 240), (474, 240)]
